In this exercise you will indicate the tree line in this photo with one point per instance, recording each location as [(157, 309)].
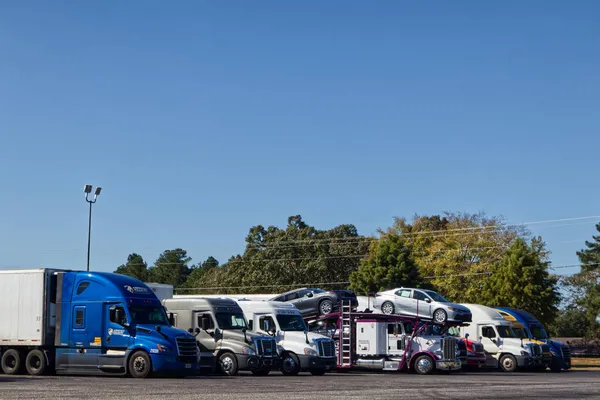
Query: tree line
[(468, 258)]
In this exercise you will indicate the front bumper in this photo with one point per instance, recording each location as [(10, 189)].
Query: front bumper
[(169, 365), (529, 362), (252, 363), (310, 363), (448, 365), (476, 361), (459, 316)]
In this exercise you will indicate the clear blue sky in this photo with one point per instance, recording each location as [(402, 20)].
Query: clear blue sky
[(200, 119)]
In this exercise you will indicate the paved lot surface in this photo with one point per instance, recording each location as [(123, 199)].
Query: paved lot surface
[(372, 386)]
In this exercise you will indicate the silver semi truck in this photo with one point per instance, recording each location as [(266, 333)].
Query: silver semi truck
[(222, 335)]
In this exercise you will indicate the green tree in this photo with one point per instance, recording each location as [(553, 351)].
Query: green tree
[(388, 266), (584, 287), (199, 274), (171, 267), (521, 280), (590, 257), (135, 267), (571, 321)]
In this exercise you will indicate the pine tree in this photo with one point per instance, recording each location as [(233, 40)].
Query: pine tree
[(388, 266), (521, 280), (590, 257), (170, 268)]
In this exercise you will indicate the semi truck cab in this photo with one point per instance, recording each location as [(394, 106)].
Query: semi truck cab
[(302, 350), (222, 332), (557, 356), (500, 341)]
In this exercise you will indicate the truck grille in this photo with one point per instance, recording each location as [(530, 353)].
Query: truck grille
[(187, 350), (536, 350), (449, 348), (266, 348), (326, 348)]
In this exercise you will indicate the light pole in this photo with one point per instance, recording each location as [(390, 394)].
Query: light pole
[(87, 190)]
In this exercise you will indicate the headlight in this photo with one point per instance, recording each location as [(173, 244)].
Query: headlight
[(524, 353), (249, 351), (162, 348), (310, 352), (279, 349)]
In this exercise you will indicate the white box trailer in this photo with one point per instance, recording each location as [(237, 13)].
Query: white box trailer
[(27, 317)]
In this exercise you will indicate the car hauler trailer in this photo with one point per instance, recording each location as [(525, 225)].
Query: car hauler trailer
[(222, 337), (94, 323), (557, 355), (302, 350), (386, 342)]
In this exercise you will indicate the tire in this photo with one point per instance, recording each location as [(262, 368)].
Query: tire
[(387, 308), (12, 362), (508, 363), (260, 372), (140, 365), (228, 364), (424, 365), (290, 364), (325, 307), (35, 363), (318, 372), (440, 316)]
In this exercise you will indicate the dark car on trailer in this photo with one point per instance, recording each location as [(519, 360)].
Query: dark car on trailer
[(317, 301)]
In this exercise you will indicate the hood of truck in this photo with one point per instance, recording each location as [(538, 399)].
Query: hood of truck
[(169, 331), (238, 335), (514, 343), (298, 336)]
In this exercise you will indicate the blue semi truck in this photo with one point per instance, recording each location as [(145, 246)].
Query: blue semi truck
[(92, 323), (530, 328)]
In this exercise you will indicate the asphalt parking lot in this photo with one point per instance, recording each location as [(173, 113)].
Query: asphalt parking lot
[(482, 385)]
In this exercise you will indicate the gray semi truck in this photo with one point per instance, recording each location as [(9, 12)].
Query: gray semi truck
[(222, 335)]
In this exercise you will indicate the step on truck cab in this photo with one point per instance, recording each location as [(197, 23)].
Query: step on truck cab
[(92, 323), (499, 340), (386, 342), (557, 356), (302, 350), (222, 332)]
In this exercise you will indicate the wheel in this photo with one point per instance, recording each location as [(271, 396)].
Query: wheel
[(11, 362), (424, 365), (325, 307), (317, 372), (260, 372), (387, 308), (290, 365), (440, 316), (508, 363), (228, 364), (140, 365), (35, 362)]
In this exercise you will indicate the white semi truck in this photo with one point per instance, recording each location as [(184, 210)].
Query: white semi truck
[(302, 350), (500, 341)]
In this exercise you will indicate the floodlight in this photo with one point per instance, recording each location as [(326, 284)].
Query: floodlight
[(87, 189), (98, 189)]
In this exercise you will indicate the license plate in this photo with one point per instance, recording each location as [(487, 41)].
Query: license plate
[(188, 365)]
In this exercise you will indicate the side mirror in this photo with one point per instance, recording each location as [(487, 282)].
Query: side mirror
[(196, 331), (310, 294), (428, 300), (171, 319), (205, 323), (191, 330)]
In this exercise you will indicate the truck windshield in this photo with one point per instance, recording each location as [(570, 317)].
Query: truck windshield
[(436, 296), (291, 323), (154, 315), (506, 332), (520, 332), (231, 321), (538, 332)]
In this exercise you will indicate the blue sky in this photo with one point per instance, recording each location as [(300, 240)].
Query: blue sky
[(201, 119)]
